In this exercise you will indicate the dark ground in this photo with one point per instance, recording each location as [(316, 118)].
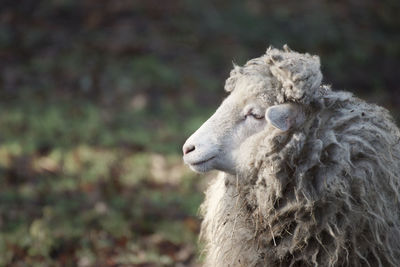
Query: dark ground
[(97, 97)]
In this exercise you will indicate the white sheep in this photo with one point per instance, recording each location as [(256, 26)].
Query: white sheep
[(309, 176)]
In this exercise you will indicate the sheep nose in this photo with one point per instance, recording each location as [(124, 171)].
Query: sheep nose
[(188, 148)]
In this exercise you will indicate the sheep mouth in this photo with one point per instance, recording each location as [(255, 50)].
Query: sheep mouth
[(202, 161)]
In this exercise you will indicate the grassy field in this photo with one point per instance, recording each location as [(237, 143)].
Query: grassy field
[(73, 191)]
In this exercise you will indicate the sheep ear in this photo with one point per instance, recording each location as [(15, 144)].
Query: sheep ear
[(285, 116)]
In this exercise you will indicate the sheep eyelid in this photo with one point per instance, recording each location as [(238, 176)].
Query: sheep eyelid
[(255, 116), (253, 112)]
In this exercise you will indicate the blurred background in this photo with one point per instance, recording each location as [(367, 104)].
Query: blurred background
[(97, 98)]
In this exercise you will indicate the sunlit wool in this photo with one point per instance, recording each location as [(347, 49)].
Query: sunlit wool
[(324, 193)]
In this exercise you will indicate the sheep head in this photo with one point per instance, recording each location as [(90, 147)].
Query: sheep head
[(268, 97)]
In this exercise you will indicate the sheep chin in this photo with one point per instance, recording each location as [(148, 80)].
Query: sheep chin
[(203, 166)]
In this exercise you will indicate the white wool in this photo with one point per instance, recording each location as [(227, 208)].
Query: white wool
[(322, 193)]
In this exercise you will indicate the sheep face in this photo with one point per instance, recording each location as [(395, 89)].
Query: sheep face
[(231, 135), (218, 143), (228, 140)]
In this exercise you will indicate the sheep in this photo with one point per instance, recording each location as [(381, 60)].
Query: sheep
[(308, 176)]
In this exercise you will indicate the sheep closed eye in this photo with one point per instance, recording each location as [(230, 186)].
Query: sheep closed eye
[(255, 116)]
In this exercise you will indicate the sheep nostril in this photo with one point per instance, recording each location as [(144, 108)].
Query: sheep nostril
[(188, 148)]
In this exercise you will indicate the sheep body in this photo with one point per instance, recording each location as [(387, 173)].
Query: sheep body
[(323, 194)]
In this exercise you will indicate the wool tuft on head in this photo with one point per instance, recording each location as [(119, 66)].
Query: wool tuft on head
[(298, 74)]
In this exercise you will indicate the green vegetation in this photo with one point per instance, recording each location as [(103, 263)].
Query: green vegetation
[(96, 100), (79, 187)]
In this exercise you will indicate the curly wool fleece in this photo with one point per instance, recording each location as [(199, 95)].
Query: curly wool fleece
[(324, 194)]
